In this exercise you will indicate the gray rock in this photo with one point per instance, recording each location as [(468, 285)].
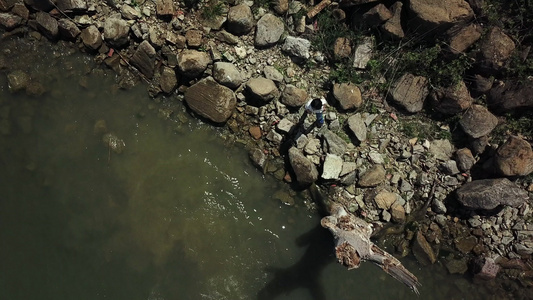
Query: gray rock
[(410, 92), (227, 74), (372, 177), (263, 89), (357, 126), (274, 137), (211, 100), (116, 32), (68, 29), (240, 19), (511, 96), (385, 199), (398, 213), (348, 96), (6, 5), (496, 48), (332, 167), (285, 125), (450, 167), (423, 251), (451, 100), (485, 268), (47, 25), (91, 37), (478, 121), (258, 158), (514, 157), (385, 216), (376, 15), (441, 149), (333, 143), (488, 194), (363, 53), (293, 96), (465, 160), (392, 29), (227, 37), (269, 30), (464, 38), (130, 13), (273, 74), (457, 266), (438, 206), (296, 46), (78, 6), (304, 169), (9, 21), (164, 8), (144, 59), (17, 80), (168, 80), (193, 63)]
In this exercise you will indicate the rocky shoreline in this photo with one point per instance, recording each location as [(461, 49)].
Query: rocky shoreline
[(250, 69)]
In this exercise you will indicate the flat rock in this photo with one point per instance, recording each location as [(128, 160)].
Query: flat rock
[(348, 95), (269, 30), (372, 177), (410, 92), (293, 96), (487, 194), (193, 63), (144, 59), (332, 167), (478, 121), (211, 100), (304, 169)]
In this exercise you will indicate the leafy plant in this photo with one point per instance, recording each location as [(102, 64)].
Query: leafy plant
[(212, 10)]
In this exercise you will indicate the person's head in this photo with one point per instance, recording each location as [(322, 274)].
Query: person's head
[(316, 103)]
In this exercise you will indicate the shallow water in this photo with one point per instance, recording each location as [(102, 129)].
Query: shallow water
[(180, 214)]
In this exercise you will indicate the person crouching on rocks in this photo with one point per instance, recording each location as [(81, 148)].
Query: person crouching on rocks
[(318, 107)]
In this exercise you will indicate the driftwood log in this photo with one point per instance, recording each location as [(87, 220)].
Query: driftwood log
[(352, 237)]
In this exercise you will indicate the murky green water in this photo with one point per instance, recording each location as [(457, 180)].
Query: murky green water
[(180, 214)]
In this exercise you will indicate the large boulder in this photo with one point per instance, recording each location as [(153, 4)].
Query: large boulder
[(478, 121), (91, 37), (47, 25), (488, 194), (116, 31), (269, 30), (192, 63), (144, 59), (333, 143), (240, 19), (410, 92), (293, 96), (496, 48), (514, 158), (511, 96), (432, 17), (348, 95), (451, 100), (211, 100), (304, 169)]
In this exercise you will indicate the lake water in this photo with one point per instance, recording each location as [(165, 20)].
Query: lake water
[(180, 214)]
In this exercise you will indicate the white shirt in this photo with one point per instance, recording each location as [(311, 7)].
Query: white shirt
[(311, 109)]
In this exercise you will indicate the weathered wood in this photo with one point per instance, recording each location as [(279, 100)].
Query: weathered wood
[(318, 8), (353, 244)]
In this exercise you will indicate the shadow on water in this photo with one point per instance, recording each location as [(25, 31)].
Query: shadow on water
[(306, 272)]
